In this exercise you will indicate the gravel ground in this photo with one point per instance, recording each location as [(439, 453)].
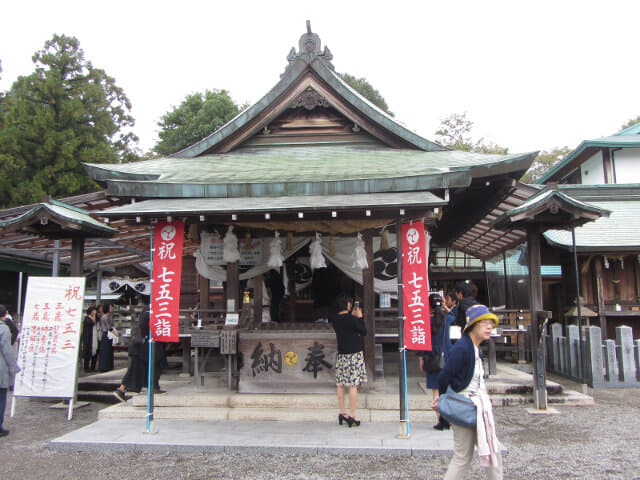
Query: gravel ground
[(595, 442)]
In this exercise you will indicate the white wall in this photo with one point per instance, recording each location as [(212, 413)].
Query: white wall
[(592, 171), (627, 165)]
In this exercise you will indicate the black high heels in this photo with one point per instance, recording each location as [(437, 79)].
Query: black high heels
[(343, 418), (441, 425), (352, 421)]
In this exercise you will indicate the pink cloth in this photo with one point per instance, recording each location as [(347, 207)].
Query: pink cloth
[(487, 442)]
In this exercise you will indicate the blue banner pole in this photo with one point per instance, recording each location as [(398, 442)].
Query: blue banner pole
[(150, 346), (403, 390)]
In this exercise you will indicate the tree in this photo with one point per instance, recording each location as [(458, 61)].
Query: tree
[(364, 88), (630, 123), (544, 162), (455, 133), (199, 115), (65, 113)]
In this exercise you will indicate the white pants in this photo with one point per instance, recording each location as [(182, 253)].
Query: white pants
[(464, 441)]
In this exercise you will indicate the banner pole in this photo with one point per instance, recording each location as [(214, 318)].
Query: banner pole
[(150, 346), (402, 383)]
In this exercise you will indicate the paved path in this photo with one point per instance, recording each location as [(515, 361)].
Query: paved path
[(255, 437)]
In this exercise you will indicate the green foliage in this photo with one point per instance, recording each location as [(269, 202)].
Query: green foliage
[(65, 113), (364, 88), (544, 162), (199, 115), (630, 123), (455, 133)]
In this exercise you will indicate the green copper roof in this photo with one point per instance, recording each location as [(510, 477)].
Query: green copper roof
[(204, 206), (618, 232), (618, 140), (543, 200), (310, 58), (73, 220), (303, 170)]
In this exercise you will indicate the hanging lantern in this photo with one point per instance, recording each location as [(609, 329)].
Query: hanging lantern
[(275, 252), (230, 253), (384, 241), (606, 262), (317, 259), (289, 241), (359, 254), (332, 247), (247, 241)]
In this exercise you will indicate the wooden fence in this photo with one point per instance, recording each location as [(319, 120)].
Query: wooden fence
[(612, 364)]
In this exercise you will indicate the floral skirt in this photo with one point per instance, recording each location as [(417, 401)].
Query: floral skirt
[(350, 370)]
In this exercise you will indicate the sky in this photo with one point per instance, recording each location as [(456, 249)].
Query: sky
[(530, 75)]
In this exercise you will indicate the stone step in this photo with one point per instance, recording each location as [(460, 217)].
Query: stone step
[(98, 396), (127, 410)]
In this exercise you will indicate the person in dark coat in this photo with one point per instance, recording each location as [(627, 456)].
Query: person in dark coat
[(439, 343), (135, 378), (464, 293), (105, 351), (89, 340)]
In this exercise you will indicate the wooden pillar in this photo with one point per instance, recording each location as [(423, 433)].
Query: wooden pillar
[(77, 256), (607, 166), (369, 304), (599, 282), (257, 301), (636, 270), (534, 233), (233, 285), (203, 286), (293, 296)]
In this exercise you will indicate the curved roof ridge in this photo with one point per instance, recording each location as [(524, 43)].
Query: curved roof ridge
[(310, 57)]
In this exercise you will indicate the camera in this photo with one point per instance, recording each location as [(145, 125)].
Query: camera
[(356, 305)]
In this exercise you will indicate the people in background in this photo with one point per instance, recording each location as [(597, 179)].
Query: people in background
[(135, 378), (350, 369), (8, 366), (464, 373), (464, 294), (12, 327), (89, 346), (439, 343), (105, 349)]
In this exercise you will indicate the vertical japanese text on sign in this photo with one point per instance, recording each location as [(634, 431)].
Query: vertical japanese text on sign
[(168, 238), (415, 287)]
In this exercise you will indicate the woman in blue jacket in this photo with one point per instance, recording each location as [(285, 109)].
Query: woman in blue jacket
[(464, 373)]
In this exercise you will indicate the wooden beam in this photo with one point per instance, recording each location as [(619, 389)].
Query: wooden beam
[(77, 256), (233, 285), (368, 306), (600, 296)]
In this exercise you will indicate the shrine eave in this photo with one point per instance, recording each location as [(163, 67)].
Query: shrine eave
[(380, 202), (550, 208), (54, 219)]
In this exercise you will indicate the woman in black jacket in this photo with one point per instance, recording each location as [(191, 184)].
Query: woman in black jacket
[(350, 369), (90, 340)]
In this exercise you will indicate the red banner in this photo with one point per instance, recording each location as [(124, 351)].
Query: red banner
[(415, 287), (168, 238)]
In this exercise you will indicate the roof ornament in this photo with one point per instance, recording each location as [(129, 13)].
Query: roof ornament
[(309, 49)]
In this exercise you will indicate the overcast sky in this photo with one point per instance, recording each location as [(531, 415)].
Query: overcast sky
[(530, 75)]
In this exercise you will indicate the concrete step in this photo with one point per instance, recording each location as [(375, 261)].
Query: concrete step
[(127, 410), (98, 396)]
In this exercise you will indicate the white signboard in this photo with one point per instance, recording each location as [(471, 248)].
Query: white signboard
[(211, 248), (50, 337), (232, 319)]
